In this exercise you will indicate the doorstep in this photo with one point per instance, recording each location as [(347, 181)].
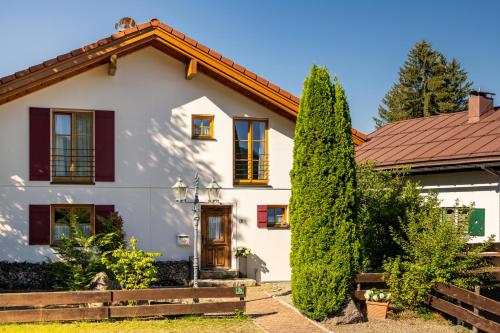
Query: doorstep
[(225, 283)]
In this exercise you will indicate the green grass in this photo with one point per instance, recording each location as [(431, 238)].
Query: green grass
[(198, 324)]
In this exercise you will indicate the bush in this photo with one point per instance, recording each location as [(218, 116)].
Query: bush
[(113, 224), (384, 197), (325, 249), (434, 250), (80, 258), (132, 268)]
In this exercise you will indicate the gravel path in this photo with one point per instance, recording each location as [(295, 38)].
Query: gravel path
[(406, 323)]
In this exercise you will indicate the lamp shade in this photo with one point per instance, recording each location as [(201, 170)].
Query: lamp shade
[(213, 191), (180, 190)]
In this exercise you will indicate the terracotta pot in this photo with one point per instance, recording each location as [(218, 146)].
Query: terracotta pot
[(376, 310)]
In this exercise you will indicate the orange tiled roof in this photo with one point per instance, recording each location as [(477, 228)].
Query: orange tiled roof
[(445, 140), (167, 39)]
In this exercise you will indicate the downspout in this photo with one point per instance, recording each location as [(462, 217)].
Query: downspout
[(496, 174)]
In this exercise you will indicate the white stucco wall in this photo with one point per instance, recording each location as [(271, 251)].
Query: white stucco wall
[(153, 104), (477, 187)]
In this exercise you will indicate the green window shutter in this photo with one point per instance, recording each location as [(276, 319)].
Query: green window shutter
[(476, 222)]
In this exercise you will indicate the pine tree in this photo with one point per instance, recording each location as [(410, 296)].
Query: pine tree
[(325, 248), (428, 85)]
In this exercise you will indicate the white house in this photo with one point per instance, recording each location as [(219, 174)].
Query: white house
[(112, 125), (456, 155)]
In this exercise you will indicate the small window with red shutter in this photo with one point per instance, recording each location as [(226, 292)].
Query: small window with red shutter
[(272, 216)]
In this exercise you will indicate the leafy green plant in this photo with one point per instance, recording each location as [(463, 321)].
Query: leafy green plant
[(377, 295), (132, 268), (325, 246), (80, 257), (385, 197), (242, 251), (434, 250)]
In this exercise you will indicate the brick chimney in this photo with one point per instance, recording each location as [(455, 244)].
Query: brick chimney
[(479, 103)]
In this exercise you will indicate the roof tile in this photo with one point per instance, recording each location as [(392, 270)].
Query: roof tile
[(214, 54)]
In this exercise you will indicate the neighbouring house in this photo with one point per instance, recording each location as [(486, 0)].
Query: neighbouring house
[(456, 155), (112, 125)]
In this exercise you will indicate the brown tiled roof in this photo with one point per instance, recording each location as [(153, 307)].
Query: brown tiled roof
[(167, 39), (445, 140)]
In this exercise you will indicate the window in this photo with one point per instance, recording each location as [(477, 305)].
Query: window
[(475, 216), (276, 216), (250, 151), (63, 215), (72, 157), (202, 127)]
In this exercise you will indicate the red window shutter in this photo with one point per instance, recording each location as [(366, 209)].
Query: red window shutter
[(105, 146), (39, 132), (102, 211), (261, 216), (39, 225)]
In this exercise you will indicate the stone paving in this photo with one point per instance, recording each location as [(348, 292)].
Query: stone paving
[(273, 316)]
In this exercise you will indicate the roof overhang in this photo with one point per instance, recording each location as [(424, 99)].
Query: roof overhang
[(168, 40)]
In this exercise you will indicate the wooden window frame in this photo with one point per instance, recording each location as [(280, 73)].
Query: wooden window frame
[(72, 179), (250, 181), (71, 207), (283, 225), (202, 117)]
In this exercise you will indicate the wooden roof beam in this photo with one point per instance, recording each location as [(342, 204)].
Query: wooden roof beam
[(191, 68), (112, 65)]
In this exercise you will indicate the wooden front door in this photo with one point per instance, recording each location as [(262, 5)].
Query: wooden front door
[(215, 237)]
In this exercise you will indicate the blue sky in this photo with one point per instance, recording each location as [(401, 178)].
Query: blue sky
[(363, 42)]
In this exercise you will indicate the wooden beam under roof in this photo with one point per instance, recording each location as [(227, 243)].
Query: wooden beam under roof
[(113, 64), (191, 68)]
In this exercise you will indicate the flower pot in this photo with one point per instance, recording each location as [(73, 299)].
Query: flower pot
[(376, 310), (242, 265)]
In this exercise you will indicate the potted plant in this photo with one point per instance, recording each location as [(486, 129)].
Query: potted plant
[(377, 303), (241, 254)]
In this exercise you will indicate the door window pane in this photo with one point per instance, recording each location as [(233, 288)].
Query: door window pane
[(215, 228)]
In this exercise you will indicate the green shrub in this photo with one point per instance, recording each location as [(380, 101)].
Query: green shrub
[(434, 250), (132, 268), (113, 224), (80, 257), (325, 249), (384, 197)]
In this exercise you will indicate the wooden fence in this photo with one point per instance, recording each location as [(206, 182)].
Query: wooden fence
[(99, 305), (450, 300)]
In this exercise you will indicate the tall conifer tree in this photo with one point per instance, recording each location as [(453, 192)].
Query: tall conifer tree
[(428, 85), (325, 248)]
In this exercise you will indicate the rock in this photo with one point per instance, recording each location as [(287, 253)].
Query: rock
[(101, 282), (350, 314)]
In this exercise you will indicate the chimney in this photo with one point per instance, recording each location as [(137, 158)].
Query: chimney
[(479, 103)]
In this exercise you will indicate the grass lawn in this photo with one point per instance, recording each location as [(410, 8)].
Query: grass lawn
[(197, 324)]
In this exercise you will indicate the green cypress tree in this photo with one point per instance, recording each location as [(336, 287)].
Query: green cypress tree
[(428, 85), (325, 248)]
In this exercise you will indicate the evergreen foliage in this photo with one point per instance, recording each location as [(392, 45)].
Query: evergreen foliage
[(428, 85), (385, 197), (435, 249), (80, 257), (325, 248)]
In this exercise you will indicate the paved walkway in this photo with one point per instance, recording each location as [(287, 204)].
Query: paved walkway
[(273, 316)]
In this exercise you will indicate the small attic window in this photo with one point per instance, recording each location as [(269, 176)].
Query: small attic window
[(202, 127)]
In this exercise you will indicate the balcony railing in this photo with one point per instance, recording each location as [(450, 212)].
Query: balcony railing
[(258, 169), (72, 163)]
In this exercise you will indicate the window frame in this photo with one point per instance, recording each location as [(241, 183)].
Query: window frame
[(209, 117), (250, 181), (72, 179), (273, 225), (71, 207)]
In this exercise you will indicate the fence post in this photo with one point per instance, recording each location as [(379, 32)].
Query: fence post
[(477, 291)]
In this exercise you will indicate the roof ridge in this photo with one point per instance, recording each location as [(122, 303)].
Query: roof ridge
[(155, 23)]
